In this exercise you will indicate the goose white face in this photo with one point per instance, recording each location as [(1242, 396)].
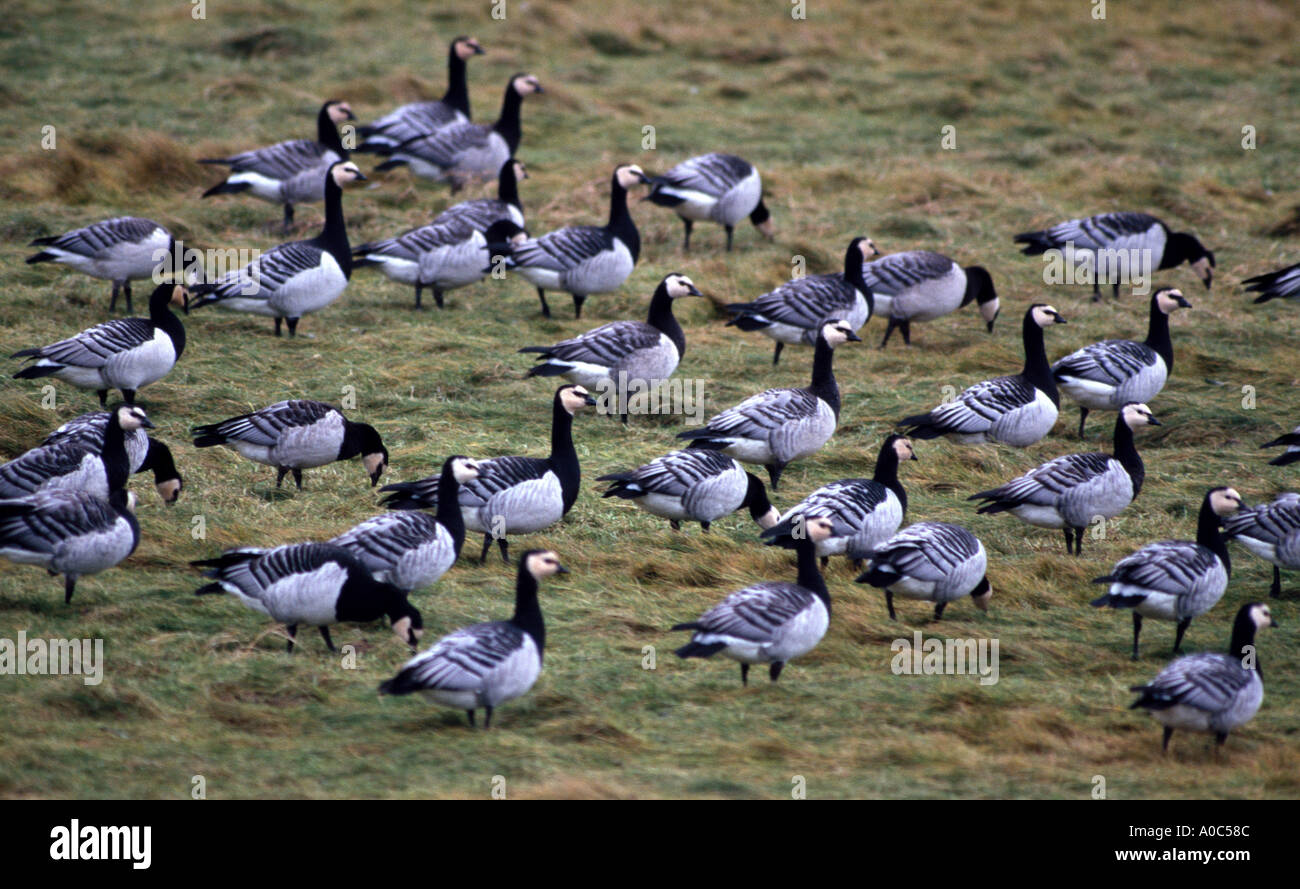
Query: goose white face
[(403, 630), (769, 518), (839, 332), (981, 600), (818, 528), (680, 285), (521, 172), (989, 311), (526, 85), (170, 490), (903, 448), (575, 398), (1225, 501), (466, 47), (544, 564), (464, 469), (1046, 316), (1261, 616), (1204, 268), (341, 111), (629, 176), (1136, 415), (1169, 300), (347, 172), (180, 296), (375, 465), (868, 248), (132, 502), (131, 418)]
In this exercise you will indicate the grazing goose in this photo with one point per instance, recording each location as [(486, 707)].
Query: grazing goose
[(288, 173), (1014, 410), (1281, 284), (316, 584), (623, 357), (719, 188), (1292, 452), (1106, 376), (419, 118), (1121, 247), (142, 451), (478, 214), (462, 152), (485, 665), (77, 465), (413, 549), (297, 435), (121, 250), (773, 622), (1076, 490), (864, 512), (1211, 692), (1270, 531), (513, 495), (1175, 579), (933, 562), (795, 311), (293, 279), (693, 486), (69, 532), (584, 259), (922, 286), (126, 354), (778, 426)]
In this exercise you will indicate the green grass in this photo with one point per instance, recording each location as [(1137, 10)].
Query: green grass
[(1055, 115)]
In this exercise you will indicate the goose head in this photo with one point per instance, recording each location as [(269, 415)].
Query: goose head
[(574, 398), (1136, 415), (837, 332), (982, 593), (466, 47), (628, 176), (521, 171), (339, 111), (867, 247), (678, 285), (1045, 315), (130, 418), (1224, 501), (407, 624), (1260, 615), (345, 172), (903, 448), (543, 563), (463, 469), (374, 456), (1169, 300), (525, 85)]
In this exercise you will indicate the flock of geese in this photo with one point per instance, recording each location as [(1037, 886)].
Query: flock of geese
[(65, 506)]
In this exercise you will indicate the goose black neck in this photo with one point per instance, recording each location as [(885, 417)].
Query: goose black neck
[(508, 185), (1037, 369), (327, 133), (359, 438), (853, 273), (810, 577), (661, 318), (1243, 635), (1158, 334), (823, 375), (120, 500), (457, 95), (448, 513), (117, 467), (887, 472), (756, 497), (620, 224), (334, 236), (507, 125), (564, 456), (528, 611), (158, 458), (1126, 453), (1180, 247), (1209, 536), (162, 317)]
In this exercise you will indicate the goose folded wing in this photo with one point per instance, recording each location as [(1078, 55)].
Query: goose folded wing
[(1172, 567), (268, 272), (891, 275), (1208, 682), (1044, 484), (94, 346), (759, 415), (979, 406), (442, 148), (500, 474), (711, 174), (1282, 283), (563, 249), (1111, 362), (1099, 232), (929, 554), (39, 523), (805, 302), (284, 160), (30, 470), (461, 660), (387, 537), (606, 344), (755, 613), (93, 239), (264, 427)]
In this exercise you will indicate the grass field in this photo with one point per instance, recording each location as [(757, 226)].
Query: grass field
[(1055, 114)]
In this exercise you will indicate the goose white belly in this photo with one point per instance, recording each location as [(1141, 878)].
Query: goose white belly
[(1095, 395), (145, 364), (1039, 516), (804, 437), (665, 506), (310, 290), (397, 268), (799, 635), (455, 265), (1025, 425), (1265, 549), (523, 508), (912, 588), (739, 200), (602, 273), (511, 678), (786, 333), (81, 377)]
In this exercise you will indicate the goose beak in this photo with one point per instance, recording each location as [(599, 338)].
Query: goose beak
[(853, 338), (560, 569), (589, 401), (1058, 318), (1183, 303), (1152, 421), (147, 423), (361, 177), (694, 291)]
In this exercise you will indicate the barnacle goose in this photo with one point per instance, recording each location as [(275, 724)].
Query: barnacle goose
[(462, 152), (288, 173), (1014, 410), (1292, 452), (1270, 531), (773, 622), (1211, 692), (513, 495), (142, 451), (121, 250), (623, 356), (418, 118), (795, 311), (69, 532), (778, 426), (297, 435), (485, 665), (714, 187), (1075, 490), (77, 464), (126, 354), (863, 511), (921, 286), (412, 549), (293, 279), (1105, 376), (315, 584), (1129, 245), (1281, 284), (479, 213), (933, 562), (584, 259), (693, 485), (1175, 579)]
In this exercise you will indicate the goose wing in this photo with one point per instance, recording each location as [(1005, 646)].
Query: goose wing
[(28, 471), (562, 249), (805, 302), (95, 346), (1281, 284), (711, 174), (1172, 567), (978, 407), (264, 275), (95, 239), (444, 146), (927, 551), (604, 345), (264, 427), (897, 272), (1043, 485), (1100, 231), (759, 415), (1110, 361), (283, 160), (755, 613), (462, 660), (40, 523), (1208, 682)]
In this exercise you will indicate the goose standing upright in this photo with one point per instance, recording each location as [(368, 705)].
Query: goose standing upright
[(1077, 490), (933, 562), (121, 250), (419, 118), (693, 485), (864, 512), (714, 187), (1281, 284), (293, 279), (126, 354), (462, 152), (1014, 410), (1107, 375), (96, 468), (143, 452), (1270, 531), (1292, 452), (778, 426), (584, 259), (1175, 579), (768, 623), (1211, 692), (288, 173), (921, 286), (485, 665), (411, 549), (1120, 247), (512, 495), (795, 311)]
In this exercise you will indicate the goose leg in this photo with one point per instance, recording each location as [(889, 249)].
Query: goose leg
[(826, 560), (487, 545), (686, 242), (293, 634), (112, 303), (674, 524), (1275, 591), (126, 291), (744, 674), (889, 603), (776, 353), (704, 526), (1096, 290), (288, 218), (1137, 631), (487, 718), (1069, 546), (278, 321), (419, 293), (1178, 637), (938, 610), (1116, 290), (280, 473), (505, 550), (775, 670), (470, 714), (1078, 541), (103, 397), (774, 473), (292, 324), (906, 329), (128, 395), (731, 229), (1164, 742), (297, 477), (578, 300), (889, 329), (1083, 416), (69, 587), (325, 634), (437, 296), (546, 309)]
